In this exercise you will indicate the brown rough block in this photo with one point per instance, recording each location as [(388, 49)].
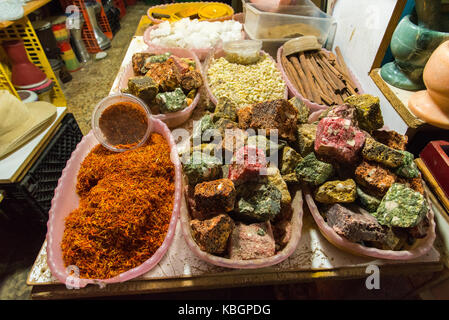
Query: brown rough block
[(376, 179), (270, 115), (212, 235), (215, 196), (391, 139)]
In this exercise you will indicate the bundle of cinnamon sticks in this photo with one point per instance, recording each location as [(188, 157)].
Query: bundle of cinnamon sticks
[(319, 76)]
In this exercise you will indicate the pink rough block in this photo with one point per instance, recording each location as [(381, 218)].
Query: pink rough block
[(252, 241), (338, 139), (249, 163)]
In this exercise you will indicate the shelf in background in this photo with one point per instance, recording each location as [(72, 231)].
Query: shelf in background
[(27, 8)]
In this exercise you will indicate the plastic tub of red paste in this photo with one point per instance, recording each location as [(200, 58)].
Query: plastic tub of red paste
[(121, 122)]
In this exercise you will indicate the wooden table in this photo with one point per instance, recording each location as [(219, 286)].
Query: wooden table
[(179, 270), (27, 8)]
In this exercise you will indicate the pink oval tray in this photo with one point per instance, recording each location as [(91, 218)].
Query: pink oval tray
[(66, 200), (314, 107), (201, 53), (421, 247), (218, 53), (173, 119), (297, 205)]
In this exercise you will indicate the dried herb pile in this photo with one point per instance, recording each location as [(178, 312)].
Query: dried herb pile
[(126, 202)]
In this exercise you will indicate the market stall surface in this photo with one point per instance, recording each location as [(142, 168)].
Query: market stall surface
[(88, 86)]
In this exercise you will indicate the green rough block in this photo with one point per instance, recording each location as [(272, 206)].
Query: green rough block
[(275, 179), (378, 152), (336, 192), (226, 108), (409, 168), (313, 171), (257, 202), (172, 101), (306, 135), (303, 110), (158, 58), (401, 207), (291, 178), (367, 201), (202, 167), (205, 123), (369, 115), (290, 160), (222, 124)]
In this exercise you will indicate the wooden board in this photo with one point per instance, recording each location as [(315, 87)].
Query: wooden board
[(398, 99), (27, 8), (428, 176)]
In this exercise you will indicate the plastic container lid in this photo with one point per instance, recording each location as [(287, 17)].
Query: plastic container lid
[(214, 11), (242, 51), (121, 122)]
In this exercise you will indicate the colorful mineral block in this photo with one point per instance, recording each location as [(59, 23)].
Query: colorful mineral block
[(306, 134), (144, 88), (172, 101), (261, 142), (224, 124), (303, 110), (158, 58), (409, 169), (253, 241), (369, 115), (314, 171), (257, 202), (275, 179), (344, 111), (378, 152), (215, 196), (190, 80), (212, 235), (138, 62), (368, 202), (202, 167), (401, 207), (201, 126), (290, 160), (336, 192), (352, 224), (276, 116), (391, 139), (226, 108), (248, 164), (338, 139), (374, 178)]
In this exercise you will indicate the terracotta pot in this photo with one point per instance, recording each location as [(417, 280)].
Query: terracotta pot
[(432, 105), (24, 73)]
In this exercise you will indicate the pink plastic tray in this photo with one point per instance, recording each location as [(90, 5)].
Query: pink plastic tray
[(218, 53), (173, 119), (422, 246), (201, 53), (288, 250), (314, 107), (66, 200)]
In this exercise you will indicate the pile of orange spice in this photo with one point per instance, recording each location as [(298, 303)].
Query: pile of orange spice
[(126, 203)]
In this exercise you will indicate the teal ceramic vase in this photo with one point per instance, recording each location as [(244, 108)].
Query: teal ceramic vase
[(412, 44)]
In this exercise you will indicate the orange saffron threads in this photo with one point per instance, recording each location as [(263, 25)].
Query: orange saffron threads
[(126, 202)]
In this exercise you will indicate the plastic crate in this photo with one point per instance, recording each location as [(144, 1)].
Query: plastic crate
[(87, 33), (22, 29), (120, 4), (31, 197)]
